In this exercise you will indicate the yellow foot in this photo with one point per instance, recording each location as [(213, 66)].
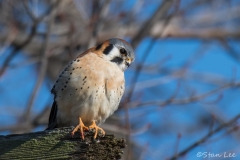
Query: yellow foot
[(94, 126), (81, 127)]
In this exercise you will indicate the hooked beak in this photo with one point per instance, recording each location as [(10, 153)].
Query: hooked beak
[(128, 61)]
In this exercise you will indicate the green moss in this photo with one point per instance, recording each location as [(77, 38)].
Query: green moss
[(58, 144)]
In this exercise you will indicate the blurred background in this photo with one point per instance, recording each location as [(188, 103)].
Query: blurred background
[(182, 92)]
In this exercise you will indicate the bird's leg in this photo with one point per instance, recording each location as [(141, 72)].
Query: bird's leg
[(81, 127), (94, 126)]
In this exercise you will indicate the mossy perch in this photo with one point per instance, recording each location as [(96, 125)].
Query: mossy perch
[(58, 144)]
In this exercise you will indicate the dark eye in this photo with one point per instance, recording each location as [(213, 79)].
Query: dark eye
[(123, 51)]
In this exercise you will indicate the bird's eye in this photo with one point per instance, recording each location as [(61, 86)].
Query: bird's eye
[(123, 51)]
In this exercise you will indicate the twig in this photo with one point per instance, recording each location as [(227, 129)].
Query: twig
[(98, 24), (26, 42), (205, 138), (191, 99), (177, 144), (9, 39), (18, 48), (159, 14), (44, 62), (29, 12), (231, 52)]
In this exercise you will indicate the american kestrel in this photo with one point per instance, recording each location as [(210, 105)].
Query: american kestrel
[(90, 88)]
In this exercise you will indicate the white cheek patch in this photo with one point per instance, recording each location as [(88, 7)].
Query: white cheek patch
[(113, 53)]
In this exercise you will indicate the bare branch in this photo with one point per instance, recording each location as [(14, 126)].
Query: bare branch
[(25, 42), (159, 14), (30, 13), (191, 99), (17, 49), (44, 63), (205, 138)]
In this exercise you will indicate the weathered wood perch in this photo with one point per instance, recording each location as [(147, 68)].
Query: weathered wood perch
[(59, 144)]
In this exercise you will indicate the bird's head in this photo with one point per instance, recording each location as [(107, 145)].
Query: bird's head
[(116, 51)]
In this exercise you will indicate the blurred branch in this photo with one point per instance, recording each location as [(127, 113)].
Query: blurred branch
[(9, 39), (42, 72), (161, 12), (205, 138), (214, 33), (24, 43), (123, 131), (29, 12), (172, 31), (231, 52), (37, 120), (18, 127), (17, 49), (191, 99), (99, 22)]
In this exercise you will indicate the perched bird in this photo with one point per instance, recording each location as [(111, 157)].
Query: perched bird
[(90, 88)]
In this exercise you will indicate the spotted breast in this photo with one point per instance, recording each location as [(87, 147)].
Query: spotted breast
[(90, 88)]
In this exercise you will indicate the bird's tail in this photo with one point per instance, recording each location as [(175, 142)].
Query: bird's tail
[(52, 122)]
